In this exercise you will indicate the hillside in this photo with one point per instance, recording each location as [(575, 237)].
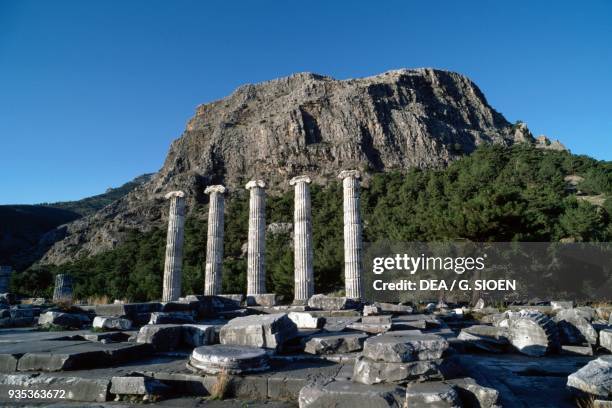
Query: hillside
[(304, 123), (497, 193), (27, 231)]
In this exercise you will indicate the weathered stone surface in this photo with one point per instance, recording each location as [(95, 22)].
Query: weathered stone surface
[(487, 338), (474, 395), (574, 328), (594, 379), (605, 339), (230, 359), (400, 349), (111, 323), (261, 299), (171, 318), (337, 324), (373, 328), (480, 304), (266, 331), (137, 385), (173, 262), (80, 356), (163, 337), (196, 335), (335, 343), (533, 333), (345, 394), (323, 302), (432, 394), (68, 320), (304, 320), (367, 371), (561, 304), (127, 309), (416, 321), (586, 311)]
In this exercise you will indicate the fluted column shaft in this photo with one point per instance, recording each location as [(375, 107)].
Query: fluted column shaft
[(302, 240), (63, 288), (353, 270), (174, 247), (214, 243), (256, 268)]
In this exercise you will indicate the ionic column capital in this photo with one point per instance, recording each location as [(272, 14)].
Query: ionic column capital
[(255, 184), (218, 188), (349, 173), (300, 179), (173, 194)]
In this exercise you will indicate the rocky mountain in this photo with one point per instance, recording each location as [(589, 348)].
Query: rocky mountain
[(304, 124), (27, 231)]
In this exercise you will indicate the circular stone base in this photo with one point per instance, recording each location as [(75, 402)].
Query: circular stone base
[(229, 359)]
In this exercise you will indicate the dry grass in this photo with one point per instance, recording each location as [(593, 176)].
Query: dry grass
[(221, 386)]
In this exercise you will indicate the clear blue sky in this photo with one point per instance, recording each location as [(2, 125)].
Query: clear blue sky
[(93, 92)]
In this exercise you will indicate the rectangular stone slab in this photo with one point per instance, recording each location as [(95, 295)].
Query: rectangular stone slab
[(79, 356)]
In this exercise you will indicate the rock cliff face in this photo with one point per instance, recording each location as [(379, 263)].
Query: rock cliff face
[(304, 124)]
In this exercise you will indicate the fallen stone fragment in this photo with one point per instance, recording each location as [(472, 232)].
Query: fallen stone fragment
[(345, 394), (587, 312), (400, 349), (594, 379), (472, 394), (480, 304), (561, 304), (68, 320), (337, 324), (367, 371), (373, 328), (305, 320), (267, 331), (393, 308), (111, 323), (371, 310), (432, 394), (323, 302), (263, 299), (138, 385), (574, 328), (171, 318), (487, 338), (605, 339), (196, 335), (533, 333), (229, 359), (163, 337), (333, 344)]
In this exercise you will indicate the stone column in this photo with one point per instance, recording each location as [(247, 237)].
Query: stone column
[(353, 270), (5, 278), (63, 288), (214, 242), (302, 240), (174, 247), (256, 268)]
